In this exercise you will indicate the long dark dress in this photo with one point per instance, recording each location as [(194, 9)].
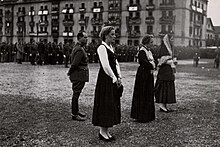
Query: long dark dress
[(165, 86), (143, 108), (107, 108)]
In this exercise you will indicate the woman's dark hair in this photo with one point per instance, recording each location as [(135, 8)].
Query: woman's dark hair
[(146, 39), (105, 31)]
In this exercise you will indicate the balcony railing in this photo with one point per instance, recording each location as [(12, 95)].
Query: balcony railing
[(55, 34), (114, 21), (150, 7), (44, 33), (55, 10), (82, 10), (167, 20), (134, 34), (82, 21), (21, 13), (149, 20), (20, 33), (43, 23), (133, 20), (96, 21), (21, 24), (68, 22)]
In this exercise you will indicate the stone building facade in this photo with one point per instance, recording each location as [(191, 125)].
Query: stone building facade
[(61, 20)]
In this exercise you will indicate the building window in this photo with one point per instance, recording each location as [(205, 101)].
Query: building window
[(129, 42), (150, 13), (136, 42), (190, 30), (149, 29)]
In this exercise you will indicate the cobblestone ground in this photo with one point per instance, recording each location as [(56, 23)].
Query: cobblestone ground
[(197, 90)]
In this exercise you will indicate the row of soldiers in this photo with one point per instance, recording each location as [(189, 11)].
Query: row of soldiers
[(43, 53)]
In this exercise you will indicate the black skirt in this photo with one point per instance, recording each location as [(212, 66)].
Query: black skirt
[(165, 92), (143, 108), (107, 107)]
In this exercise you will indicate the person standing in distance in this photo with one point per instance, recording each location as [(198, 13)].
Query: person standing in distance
[(78, 73), (106, 110)]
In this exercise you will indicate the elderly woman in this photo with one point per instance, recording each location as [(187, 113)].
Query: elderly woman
[(142, 108), (165, 87), (106, 111)]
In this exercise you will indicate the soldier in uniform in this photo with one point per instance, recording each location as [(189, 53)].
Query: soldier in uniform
[(20, 52), (66, 52), (33, 52)]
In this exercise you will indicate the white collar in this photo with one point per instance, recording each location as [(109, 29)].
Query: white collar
[(108, 47)]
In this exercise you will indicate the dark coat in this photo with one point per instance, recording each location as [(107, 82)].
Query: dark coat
[(79, 70), (142, 107)]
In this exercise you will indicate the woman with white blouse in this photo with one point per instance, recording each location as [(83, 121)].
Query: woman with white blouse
[(107, 108)]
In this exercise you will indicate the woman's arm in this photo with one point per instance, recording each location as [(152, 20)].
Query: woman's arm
[(103, 56)]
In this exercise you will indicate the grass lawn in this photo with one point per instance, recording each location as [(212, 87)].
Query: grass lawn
[(35, 109)]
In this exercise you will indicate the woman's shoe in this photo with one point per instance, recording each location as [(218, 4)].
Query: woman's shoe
[(162, 110), (104, 139), (112, 138)]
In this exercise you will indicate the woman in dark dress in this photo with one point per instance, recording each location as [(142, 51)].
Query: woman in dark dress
[(165, 87), (107, 109), (142, 108)]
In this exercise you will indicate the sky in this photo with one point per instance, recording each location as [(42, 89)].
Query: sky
[(214, 11)]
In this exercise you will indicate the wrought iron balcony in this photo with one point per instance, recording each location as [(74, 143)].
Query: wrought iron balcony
[(133, 20), (20, 33), (21, 23), (42, 33), (150, 7), (21, 13), (82, 10), (55, 10), (114, 21), (149, 20), (43, 23), (96, 21), (82, 21), (167, 20), (68, 22), (55, 34), (134, 34)]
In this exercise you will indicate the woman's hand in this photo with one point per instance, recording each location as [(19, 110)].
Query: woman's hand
[(118, 82)]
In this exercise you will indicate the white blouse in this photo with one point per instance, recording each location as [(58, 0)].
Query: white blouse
[(103, 56)]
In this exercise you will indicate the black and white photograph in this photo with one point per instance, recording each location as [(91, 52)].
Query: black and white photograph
[(117, 73)]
